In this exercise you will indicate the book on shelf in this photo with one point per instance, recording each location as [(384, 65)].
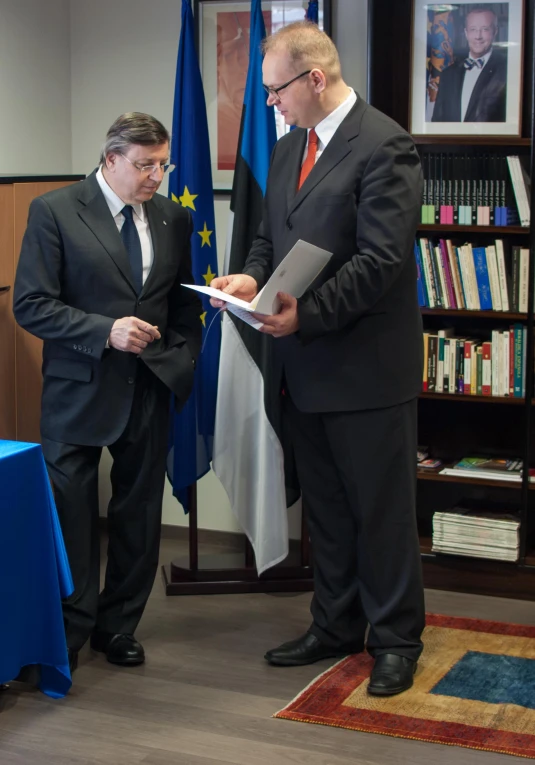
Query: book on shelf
[(488, 468), (480, 189), (469, 366), (471, 277), (473, 529)]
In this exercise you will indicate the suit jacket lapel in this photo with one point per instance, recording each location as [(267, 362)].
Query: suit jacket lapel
[(481, 83), (97, 216), (337, 148), (158, 232), (296, 151)]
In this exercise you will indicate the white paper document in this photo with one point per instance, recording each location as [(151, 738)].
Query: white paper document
[(294, 275)]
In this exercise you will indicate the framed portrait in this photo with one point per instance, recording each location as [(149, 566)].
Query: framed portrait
[(467, 68), (222, 38)]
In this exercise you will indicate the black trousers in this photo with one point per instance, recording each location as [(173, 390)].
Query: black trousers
[(358, 478), (134, 516)]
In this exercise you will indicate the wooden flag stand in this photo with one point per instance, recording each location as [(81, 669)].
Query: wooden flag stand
[(230, 573)]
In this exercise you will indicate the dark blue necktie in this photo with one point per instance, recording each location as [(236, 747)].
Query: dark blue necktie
[(132, 244), (470, 63)]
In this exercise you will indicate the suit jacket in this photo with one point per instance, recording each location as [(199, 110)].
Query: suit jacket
[(488, 100), (359, 345), (73, 281)]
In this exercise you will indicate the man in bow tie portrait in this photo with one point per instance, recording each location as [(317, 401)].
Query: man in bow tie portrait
[(99, 281), (474, 88)]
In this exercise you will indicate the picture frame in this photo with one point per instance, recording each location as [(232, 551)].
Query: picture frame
[(466, 68), (222, 41)]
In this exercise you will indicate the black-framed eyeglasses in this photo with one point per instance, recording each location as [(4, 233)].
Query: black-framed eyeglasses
[(150, 168), (275, 91)]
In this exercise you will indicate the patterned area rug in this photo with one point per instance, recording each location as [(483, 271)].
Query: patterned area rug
[(474, 687)]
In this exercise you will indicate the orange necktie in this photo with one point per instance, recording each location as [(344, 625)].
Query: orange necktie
[(310, 158)]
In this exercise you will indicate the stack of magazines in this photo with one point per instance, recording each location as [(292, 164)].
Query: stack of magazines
[(486, 467), (475, 533)]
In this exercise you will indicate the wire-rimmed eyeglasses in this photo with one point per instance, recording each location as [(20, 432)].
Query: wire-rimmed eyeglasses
[(150, 168), (275, 91)]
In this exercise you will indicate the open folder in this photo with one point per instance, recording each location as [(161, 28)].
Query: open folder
[(293, 275)]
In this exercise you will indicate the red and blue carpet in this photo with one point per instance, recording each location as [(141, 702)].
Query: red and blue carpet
[(474, 687)]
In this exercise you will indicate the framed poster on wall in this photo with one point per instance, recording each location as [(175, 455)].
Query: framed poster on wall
[(222, 32)]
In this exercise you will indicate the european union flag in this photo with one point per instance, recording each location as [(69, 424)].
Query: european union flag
[(192, 432)]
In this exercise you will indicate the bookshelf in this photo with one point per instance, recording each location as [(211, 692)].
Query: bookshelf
[(454, 425)]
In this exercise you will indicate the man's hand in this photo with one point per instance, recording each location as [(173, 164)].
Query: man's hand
[(132, 334), (241, 286), (286, 322)]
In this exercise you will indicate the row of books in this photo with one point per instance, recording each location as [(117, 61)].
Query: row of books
[(478, 189), (470, 277), (471, 531), (468, 366)]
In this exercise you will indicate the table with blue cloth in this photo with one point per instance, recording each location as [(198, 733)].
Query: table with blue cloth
[(34, 571)]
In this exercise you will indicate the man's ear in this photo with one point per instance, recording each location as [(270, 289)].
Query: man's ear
[(319, 80), (111, 160)]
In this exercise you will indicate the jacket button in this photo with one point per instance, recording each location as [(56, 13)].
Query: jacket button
[(75, 347), (289, 225), (131, 380)]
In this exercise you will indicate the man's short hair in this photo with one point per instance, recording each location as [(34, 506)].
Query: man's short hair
[(308, 48), (133, 128), (482, 9)]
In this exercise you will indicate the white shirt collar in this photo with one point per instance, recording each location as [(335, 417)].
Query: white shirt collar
[(115, 203), (330, 124)]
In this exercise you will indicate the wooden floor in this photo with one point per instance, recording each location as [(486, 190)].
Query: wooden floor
[(206, 696)]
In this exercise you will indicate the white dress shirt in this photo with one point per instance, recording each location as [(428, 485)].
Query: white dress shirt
[(116, 204), (328, 126), (470, 78)]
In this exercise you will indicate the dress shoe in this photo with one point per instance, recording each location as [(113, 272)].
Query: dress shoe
[(391, 674), (119, 649), (73, 659), (305, 650)]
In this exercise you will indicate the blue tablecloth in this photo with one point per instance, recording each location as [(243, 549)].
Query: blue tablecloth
[(34, 571)]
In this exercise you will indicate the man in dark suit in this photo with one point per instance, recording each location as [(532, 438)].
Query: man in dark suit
[(475, 89), (99, 280), (348, 179)]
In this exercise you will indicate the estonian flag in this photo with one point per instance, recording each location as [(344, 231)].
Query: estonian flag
[(312, 11), (248, 454), (192, 431)]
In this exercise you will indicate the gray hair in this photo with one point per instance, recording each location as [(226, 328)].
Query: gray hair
[(133, 128), (483, 9)]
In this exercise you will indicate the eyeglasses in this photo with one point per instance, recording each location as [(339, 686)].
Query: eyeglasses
[(149, 168), (275, 91)]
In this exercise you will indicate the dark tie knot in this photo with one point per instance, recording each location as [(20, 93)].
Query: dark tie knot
[(128, 212), (470, 63)]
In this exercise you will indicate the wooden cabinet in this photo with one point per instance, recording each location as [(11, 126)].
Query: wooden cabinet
[(20, 352)]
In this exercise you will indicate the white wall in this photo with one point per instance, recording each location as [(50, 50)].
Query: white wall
[(350, 33), (35, 128)]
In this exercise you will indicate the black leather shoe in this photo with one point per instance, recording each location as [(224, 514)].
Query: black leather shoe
[(305, 650), (73, 659), (391, 674), (119, 649)]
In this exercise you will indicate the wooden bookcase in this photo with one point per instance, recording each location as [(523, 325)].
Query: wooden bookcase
[(454, 426)]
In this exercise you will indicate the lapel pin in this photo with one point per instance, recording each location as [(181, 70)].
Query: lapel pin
[(165, 223)]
